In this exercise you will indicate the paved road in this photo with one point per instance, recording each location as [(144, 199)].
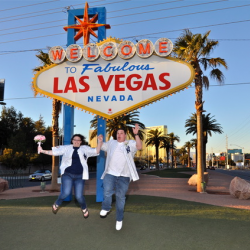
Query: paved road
[(243, 174)]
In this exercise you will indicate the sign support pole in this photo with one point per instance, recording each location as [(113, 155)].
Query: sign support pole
[(101, 123), (68, 121)]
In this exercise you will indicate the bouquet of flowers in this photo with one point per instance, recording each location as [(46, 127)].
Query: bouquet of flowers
[(39, 139)]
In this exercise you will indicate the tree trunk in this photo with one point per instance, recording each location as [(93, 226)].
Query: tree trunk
[(55, 138), (200, 169), (172, 158), (199, 110), (167, 153), (188, 158), (55, 168), (157, 156), (175, 162)]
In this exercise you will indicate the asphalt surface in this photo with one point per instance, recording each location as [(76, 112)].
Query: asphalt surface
[(243, 174)]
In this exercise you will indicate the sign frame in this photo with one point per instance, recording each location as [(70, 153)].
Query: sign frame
[(125, 110)]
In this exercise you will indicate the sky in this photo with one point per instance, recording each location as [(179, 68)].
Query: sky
[(29, 26)]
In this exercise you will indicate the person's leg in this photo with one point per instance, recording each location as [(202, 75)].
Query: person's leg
[(79, 187), (108, 190), (120, 192), (67, 183)]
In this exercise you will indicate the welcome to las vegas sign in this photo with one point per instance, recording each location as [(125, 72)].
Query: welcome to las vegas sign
[(113, 77)]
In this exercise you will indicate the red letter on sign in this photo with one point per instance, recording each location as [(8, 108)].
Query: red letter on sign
[(146, 50), (55, 88), (104, 51), (128, 46), (162, 47), (73, 53), (84, 84), (89, 53), (166, 82), (138, 83), (118, 82), (57, 54), (150, 78), (105, 86), (70, 85)]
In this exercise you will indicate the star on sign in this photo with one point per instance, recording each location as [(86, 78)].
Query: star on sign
[(86, 26)]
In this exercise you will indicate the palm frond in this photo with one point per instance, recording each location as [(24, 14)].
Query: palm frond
[(217, 75), (217, 61), (127, 122), (205, 82)]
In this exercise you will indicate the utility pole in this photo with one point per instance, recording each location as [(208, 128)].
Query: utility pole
[(227, 150)]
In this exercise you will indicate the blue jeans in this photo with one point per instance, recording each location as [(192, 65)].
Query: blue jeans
[(118, 185), (68, 181)]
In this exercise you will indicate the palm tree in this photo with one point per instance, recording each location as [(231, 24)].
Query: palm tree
[(183, 154), (209, 126), (155, 138), (57, 106), (126, 122), (195, 49), (188, 145), (175, 154), (167, 145), (173, 138)]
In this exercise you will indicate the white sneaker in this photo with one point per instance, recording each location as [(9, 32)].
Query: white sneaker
[(118, 225), (104, 213)]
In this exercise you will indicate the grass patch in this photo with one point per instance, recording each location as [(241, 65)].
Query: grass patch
[(172, 173), (149, 205)]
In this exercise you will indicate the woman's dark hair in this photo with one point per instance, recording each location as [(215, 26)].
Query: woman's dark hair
[(79, 135)]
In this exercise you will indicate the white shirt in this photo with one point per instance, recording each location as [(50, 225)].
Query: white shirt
[(67, 150), (118, 165), (129, 151)]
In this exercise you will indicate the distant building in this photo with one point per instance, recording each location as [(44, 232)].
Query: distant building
[(235, 154), (234, 151), (237, 157), (149, 152)]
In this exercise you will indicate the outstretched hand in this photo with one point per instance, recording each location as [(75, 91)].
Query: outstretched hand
[(39, 149), (136, 129)]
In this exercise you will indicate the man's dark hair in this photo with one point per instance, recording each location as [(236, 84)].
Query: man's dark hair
[(121, 129), (114, 134)]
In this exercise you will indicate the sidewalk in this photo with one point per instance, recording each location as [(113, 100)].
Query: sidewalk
[(217, 190)]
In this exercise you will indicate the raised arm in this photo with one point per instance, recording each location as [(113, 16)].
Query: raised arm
[(137, 138), (99, 143)]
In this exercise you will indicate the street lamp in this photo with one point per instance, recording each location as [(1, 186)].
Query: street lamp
[(242, 152)]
